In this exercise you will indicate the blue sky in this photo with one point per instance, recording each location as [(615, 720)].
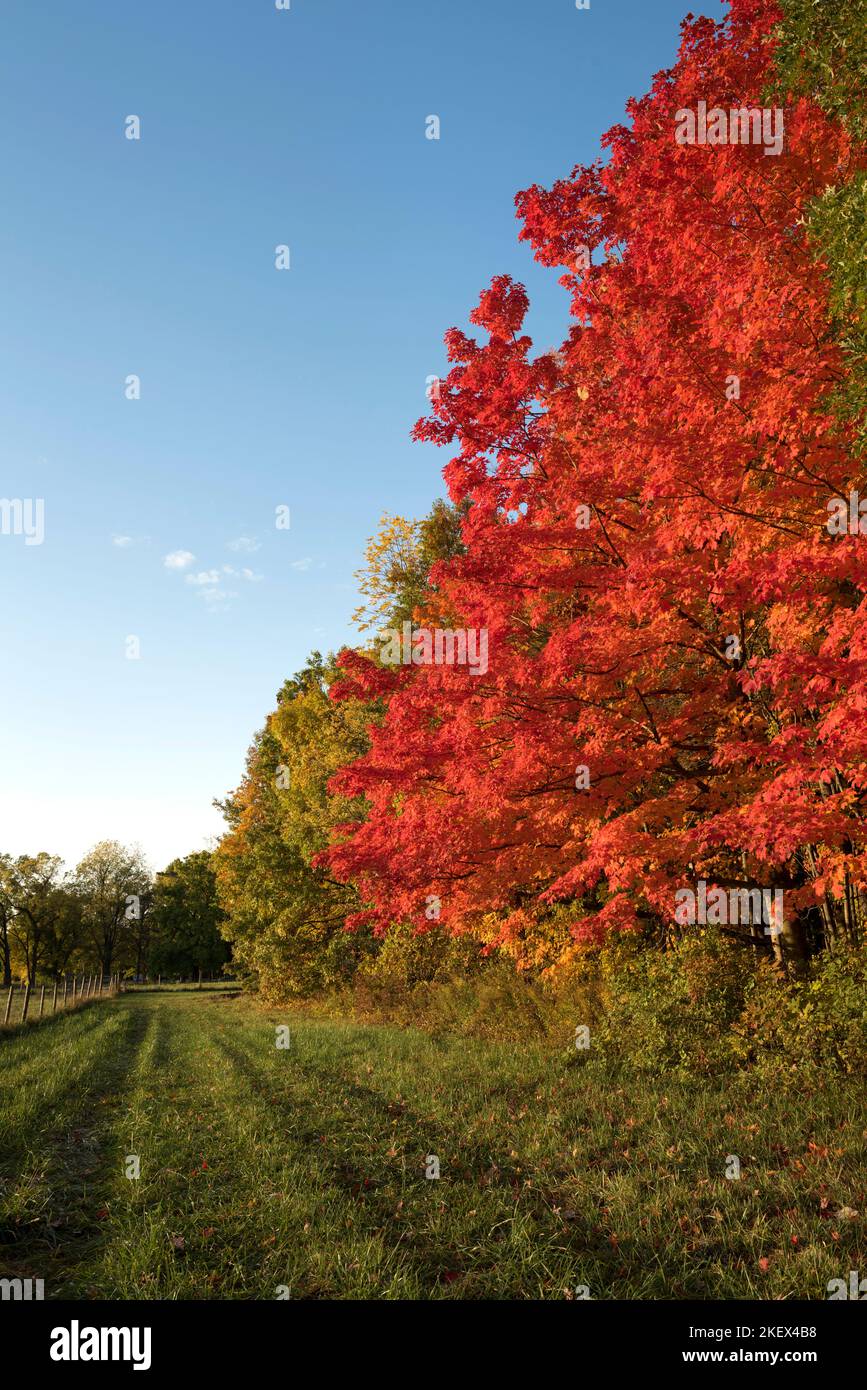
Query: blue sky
[(259, 388)]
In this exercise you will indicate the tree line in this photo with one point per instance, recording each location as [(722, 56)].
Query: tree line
[(109, 914)]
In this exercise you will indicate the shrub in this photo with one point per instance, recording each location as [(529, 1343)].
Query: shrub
[(673, 1010), (812, 1026)]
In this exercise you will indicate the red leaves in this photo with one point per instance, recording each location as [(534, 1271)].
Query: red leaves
[(502, 308), (646, 549)]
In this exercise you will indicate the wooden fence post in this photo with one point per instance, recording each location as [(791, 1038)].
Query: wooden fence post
[(26, 1004), (54, 999), (9, 1003), (65, 989), (41, 1001)]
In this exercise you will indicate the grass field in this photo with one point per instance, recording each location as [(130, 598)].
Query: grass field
[(305, 1167)]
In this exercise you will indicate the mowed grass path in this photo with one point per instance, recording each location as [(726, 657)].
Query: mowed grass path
[(305, 1167)]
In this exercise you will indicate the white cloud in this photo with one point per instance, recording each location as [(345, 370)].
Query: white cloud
[(249, 575), (216, 596), (179, 559), (245, 543), (208, 583), (122, 541), (304, 564)]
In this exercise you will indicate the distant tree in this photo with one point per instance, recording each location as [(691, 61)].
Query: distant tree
[(184, 919), (5, 915), (63, 938), (113, 883), (34, 899)]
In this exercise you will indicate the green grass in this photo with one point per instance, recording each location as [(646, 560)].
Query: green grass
[(306, 1167)]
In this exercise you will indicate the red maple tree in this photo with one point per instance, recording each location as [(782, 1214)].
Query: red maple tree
[(677, 664)]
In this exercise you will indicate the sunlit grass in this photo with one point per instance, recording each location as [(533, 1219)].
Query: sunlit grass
[(303, 1170)]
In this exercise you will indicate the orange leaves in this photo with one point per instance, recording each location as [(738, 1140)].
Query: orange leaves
[(695, 641)]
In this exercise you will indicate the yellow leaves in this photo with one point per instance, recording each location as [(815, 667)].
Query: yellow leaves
[(388, 554)]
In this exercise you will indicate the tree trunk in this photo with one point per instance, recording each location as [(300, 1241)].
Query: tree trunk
[(793, 940), (5, 961)]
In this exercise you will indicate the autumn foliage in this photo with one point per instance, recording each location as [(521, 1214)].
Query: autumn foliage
[(677, 677)]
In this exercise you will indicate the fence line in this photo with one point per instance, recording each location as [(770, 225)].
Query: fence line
[(85, 988)]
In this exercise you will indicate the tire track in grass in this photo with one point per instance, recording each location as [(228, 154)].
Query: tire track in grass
[(436, 1228), (54, 1132), (51, 1084), (350, 1248), (146, 1131), (255, 1213), (46, 1056)]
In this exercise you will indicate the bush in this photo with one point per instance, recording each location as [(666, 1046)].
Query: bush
[(673, 1010), (816, 1026), (706, 1006)]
